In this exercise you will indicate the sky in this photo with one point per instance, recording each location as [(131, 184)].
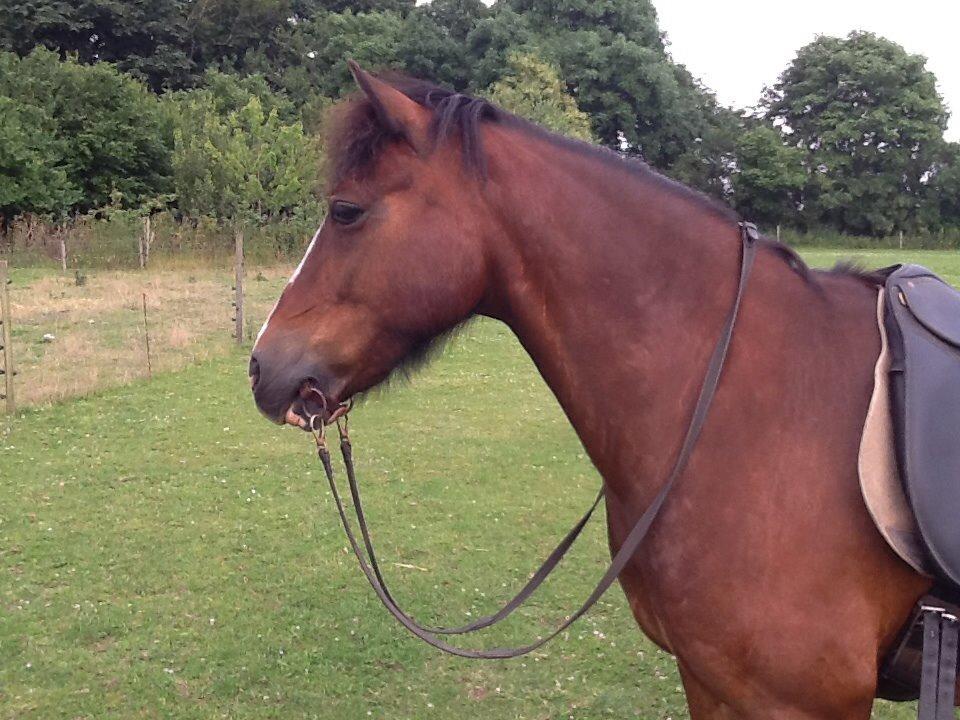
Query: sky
[(738, 47)]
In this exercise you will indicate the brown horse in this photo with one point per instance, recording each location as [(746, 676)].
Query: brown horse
[(764, 574)]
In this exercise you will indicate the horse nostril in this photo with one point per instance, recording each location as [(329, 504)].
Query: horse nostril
[(254, 372)]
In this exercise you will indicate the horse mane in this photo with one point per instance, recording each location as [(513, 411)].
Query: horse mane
[(356, 138), (853, 269)]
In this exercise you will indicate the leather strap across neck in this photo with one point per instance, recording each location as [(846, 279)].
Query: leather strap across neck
[(432, 635)]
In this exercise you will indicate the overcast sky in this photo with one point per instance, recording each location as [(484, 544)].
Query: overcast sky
[(737, 47)]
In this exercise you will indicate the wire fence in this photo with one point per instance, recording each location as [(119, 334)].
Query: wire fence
[(126, 240), (79, 331)]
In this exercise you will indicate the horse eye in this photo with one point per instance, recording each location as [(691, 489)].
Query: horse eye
[(345, 213)]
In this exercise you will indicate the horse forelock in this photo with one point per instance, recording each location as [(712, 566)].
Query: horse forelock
[(356, 137)]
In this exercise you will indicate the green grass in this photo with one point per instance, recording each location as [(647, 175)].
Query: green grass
[(164, 552)]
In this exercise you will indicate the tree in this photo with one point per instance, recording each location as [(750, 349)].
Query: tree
[(769, 177), (307, 9), (639, 101), (532, 88), (147, 38), (492, 39), (612, 58), (312, 59), (230, 92), (32, 177), (244, 165), (944, 187), (870, 121), (222, 32), (109, 128), (426, 49), (456, 17), (636, 20), (309, 60), (706, 147)]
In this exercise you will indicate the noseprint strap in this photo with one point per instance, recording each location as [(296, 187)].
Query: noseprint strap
[(433, 635)]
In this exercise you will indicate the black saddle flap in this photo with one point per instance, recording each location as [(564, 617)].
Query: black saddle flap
[(923, 326)]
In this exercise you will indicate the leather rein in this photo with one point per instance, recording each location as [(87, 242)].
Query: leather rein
[(434, 635)]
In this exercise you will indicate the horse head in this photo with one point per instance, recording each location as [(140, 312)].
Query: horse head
[(399, 259)]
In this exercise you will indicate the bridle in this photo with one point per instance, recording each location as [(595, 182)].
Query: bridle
[(367, 558)]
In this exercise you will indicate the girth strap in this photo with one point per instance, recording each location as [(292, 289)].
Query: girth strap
[(938, 676), (371, 569)]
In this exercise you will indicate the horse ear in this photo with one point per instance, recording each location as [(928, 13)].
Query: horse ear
[(396, 112)]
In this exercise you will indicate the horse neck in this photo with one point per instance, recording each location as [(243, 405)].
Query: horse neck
[(616, 283)]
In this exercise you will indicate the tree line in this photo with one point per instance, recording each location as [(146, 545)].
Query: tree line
[(213, 108)]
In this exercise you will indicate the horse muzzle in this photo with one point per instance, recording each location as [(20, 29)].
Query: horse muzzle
[(295, 393)]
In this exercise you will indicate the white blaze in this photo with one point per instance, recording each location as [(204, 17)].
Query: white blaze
[(293, 277)]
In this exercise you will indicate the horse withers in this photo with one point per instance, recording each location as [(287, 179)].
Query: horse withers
[(764, 574)]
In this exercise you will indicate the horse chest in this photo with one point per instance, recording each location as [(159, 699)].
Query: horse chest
[(639, 580)]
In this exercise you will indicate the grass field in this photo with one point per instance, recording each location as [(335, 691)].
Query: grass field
[(166, 553)]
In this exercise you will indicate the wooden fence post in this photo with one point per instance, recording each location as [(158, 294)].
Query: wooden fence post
[(146, 240), (6, 325), (238, 285), (146, 334), (61, 236), (140, 242)]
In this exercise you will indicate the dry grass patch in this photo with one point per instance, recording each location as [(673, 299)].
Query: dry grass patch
[(180, 336), (98, 330)]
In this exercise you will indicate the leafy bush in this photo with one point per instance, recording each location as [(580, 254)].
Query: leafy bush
[(88, 129), (532, 88), (241, 163)]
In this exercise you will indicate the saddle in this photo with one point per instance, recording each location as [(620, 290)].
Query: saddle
[(910, 474), (922, 322)]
